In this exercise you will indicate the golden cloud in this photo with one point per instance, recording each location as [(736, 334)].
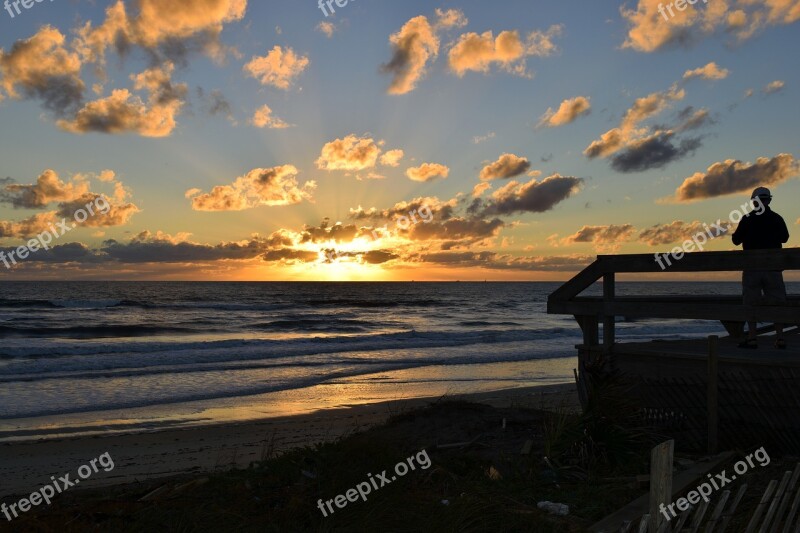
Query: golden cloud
[(427, 172), (278, 68), (260, 187), (351, 153)]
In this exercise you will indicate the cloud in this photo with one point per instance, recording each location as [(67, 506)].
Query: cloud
[(328, 28), (42, 68), (692, 120), (29, 227), (495, 261), (450, 18), (531, 197), (603, 237), (678, 230), (441, 210), (567, 112), (733, 176), (117, 214), (413, 46), (124, 112), (263, 118), (508, 166), (474, 52), (216, 104), (48, 189), (773, 87), (275, 186), (711, 71), (70, 196), (278, 68), (148, 247), (656, 151), (480, 188), (478, 139), (163, 31), (654, 24), (427, 172), (351, 153), (392, 158), (629, 130)]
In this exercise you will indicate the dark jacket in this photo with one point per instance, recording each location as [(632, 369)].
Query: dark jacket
[(766, 231)]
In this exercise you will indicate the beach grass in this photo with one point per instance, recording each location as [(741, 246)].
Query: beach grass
[(478, 478)]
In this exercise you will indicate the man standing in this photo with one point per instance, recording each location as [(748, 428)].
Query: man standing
[(761, 231)]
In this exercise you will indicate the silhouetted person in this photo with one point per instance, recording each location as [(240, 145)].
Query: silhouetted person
[(763, 229)]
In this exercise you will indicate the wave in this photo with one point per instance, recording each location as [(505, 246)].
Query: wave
[(93, 332), (38, 362)]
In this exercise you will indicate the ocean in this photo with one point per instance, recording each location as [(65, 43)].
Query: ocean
[(100, 357)]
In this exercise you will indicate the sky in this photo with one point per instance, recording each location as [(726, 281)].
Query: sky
[(470, 140)]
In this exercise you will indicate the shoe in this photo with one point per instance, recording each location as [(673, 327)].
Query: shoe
[(749, 344), (780, 344)]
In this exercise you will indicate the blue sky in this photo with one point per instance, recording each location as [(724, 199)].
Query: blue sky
[(341, 93)]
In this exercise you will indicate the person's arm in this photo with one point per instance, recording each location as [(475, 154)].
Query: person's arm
[(741, 231), (784, 231)]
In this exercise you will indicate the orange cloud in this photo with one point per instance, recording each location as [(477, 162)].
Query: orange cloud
[(474, 52), (427, 172), (567, 112), (629, 131), (711, 71), (733, 176), (278, 68), (124, 112), (41, 67), (260, 187), (351, 153), (263, 118), (413, 46), (656, 24), (392, 158), (507, 166)]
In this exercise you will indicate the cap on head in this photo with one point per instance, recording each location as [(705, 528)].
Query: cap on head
[(761, 192)]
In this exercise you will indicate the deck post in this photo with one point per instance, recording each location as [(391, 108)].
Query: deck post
[(713, 393), (609, 322), (590, 327), (661, 458)]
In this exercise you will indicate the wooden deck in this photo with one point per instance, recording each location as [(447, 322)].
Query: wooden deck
[(703, 396)]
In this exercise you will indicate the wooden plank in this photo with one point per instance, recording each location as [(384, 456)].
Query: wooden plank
[(712, 401), (661, 460), (680, 483), (728, 515), (765, 499), (682, 519), (717, 512), (700, 311), (786, 259), (776, 501), (609, 321), (698, 516), (792, 513)]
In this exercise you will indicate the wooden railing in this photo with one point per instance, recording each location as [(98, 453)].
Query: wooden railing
[(591, 311)]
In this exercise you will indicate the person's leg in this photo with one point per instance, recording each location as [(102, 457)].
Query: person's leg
[(751, 295), (775, 293)]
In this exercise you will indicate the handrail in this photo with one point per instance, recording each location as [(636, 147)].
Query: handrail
[(590, 310)]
